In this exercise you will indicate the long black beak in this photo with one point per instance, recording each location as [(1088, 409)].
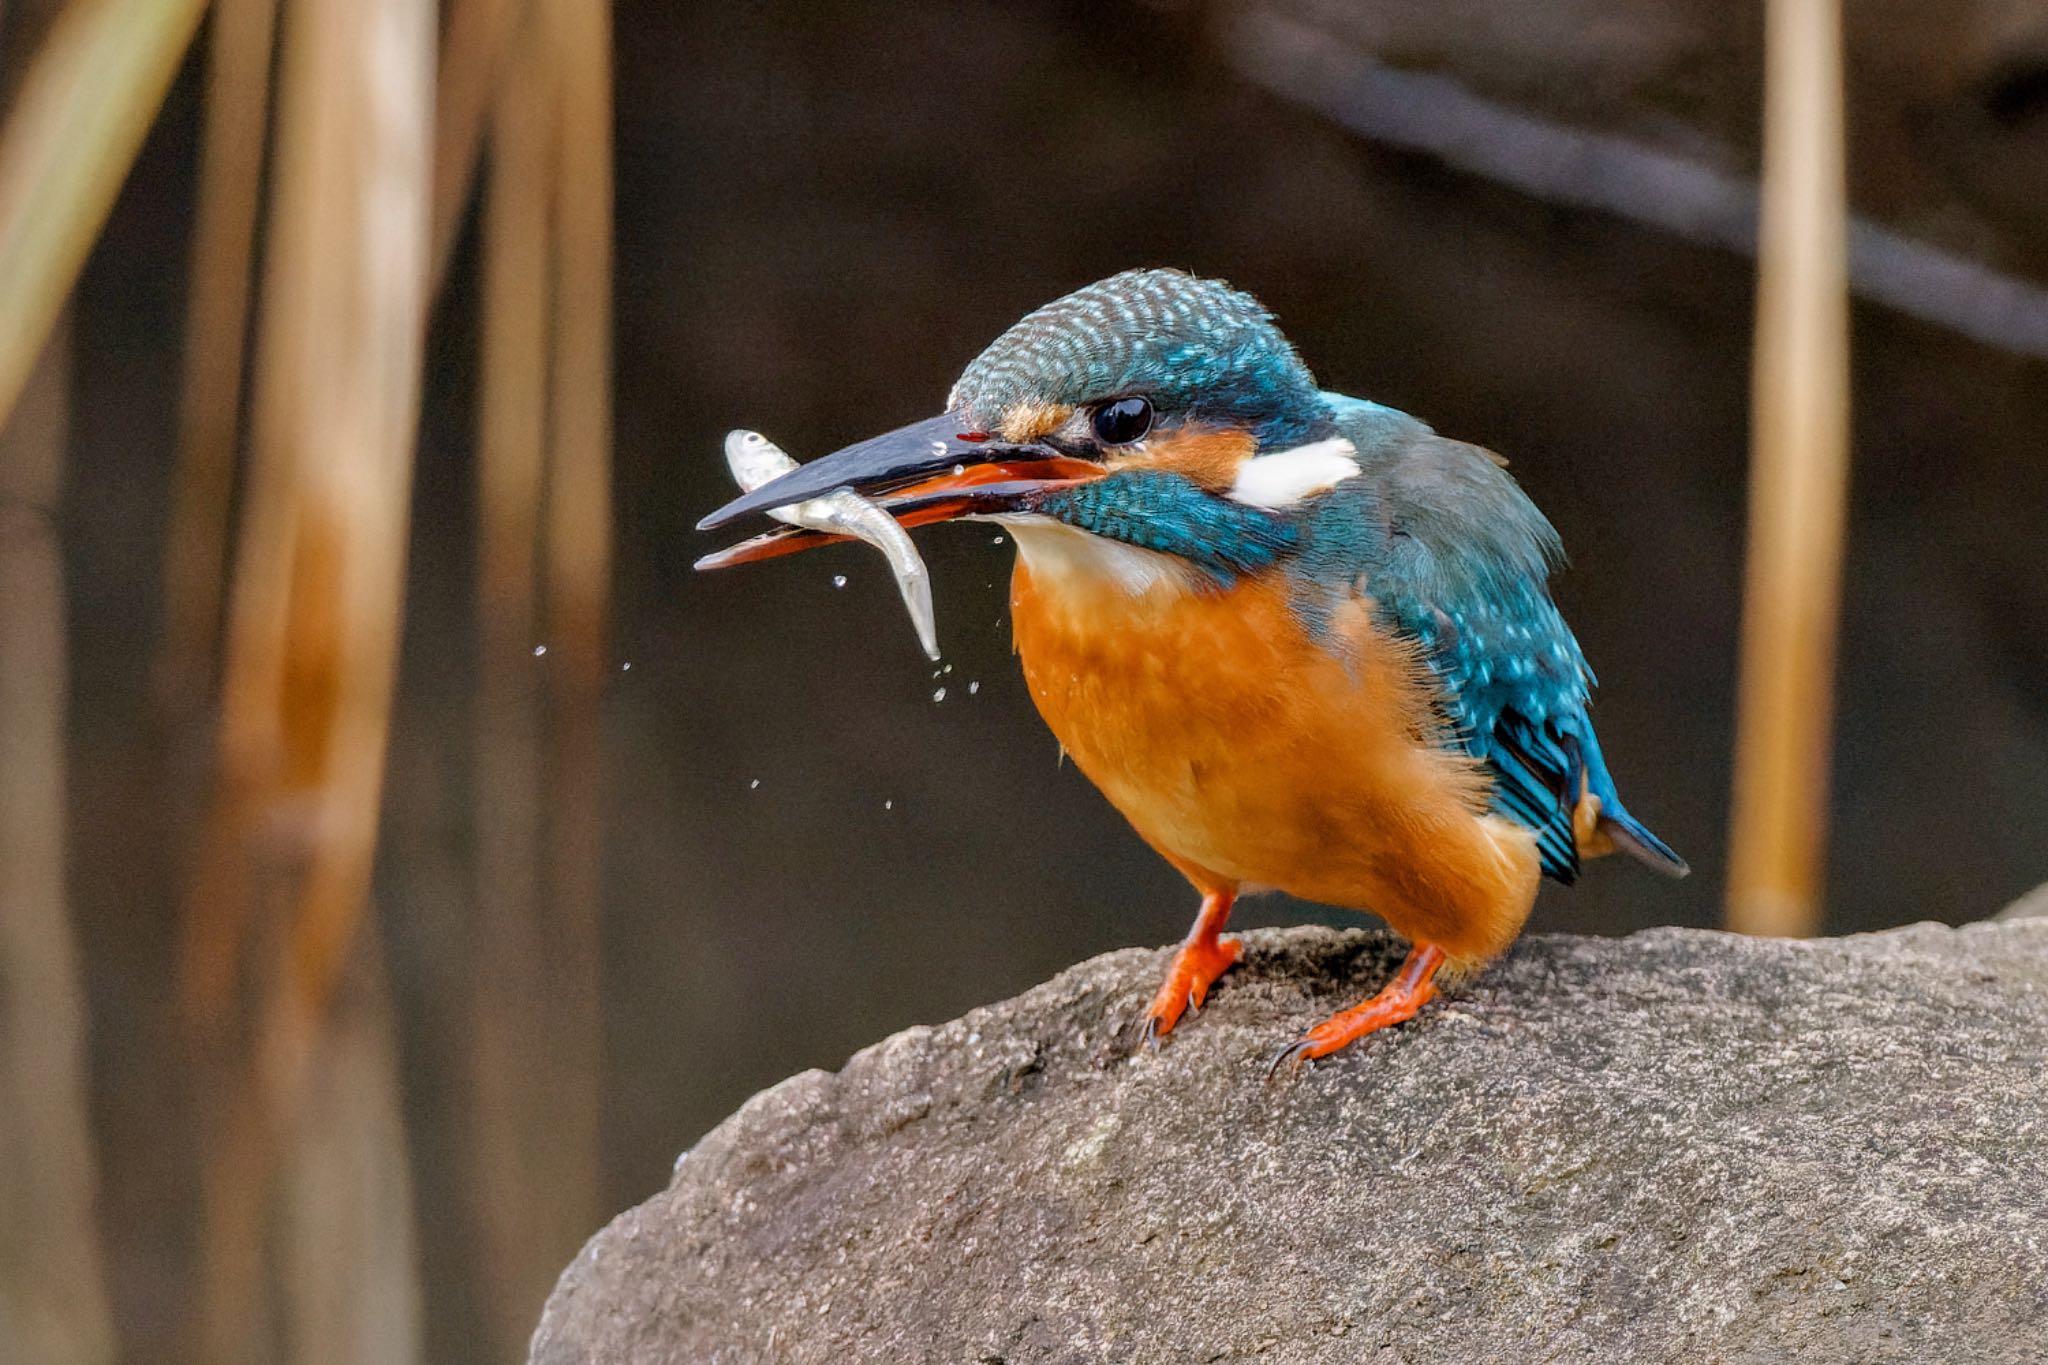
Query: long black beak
[(919, 455)]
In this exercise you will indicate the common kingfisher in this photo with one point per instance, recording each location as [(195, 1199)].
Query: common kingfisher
[(1299, 640)]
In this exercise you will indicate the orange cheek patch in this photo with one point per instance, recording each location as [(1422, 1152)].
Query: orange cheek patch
[(1207, 457)]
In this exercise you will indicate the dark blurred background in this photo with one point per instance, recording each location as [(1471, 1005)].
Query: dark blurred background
[(823, 212)]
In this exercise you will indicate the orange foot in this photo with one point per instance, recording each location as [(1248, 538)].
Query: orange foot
[(1203, 957), (1412, 988)]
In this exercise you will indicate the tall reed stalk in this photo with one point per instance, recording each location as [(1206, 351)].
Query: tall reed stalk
[(1799, 474), (311, 658)]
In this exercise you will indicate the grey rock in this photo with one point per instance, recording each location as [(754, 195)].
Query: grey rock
[(1677, 1146), (2033, 905)]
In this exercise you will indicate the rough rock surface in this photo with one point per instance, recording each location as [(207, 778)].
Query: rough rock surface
[(1677, 1146)]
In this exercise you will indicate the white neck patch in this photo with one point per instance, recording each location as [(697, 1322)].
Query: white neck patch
[(1287, 477)]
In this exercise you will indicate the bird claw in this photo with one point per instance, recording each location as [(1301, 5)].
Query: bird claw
[(1292, 1056), (1148, 1027), (1146, 1031), (1397, 1002), (1187, 985)]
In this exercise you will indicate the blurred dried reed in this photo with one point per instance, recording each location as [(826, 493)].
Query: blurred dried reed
[(1798, 485), (473, 55), (73, 128), (308, 1244), (311, 658), (543, 476), (75, 120), (544, 570), (236, 116), (53, 1306)]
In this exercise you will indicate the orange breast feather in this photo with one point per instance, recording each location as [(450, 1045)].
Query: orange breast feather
[(1250, 754)]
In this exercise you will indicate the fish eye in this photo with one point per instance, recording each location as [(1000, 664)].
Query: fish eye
[(1123, 421)]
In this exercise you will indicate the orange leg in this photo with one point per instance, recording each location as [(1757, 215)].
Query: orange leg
[(1412, 987), (1204, 955)]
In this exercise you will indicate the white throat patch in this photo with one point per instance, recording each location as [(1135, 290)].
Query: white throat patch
[(1287, 477), (1068, 556)]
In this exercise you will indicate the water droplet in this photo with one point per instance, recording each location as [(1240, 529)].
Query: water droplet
[(539, 650), (958, 470), (997, 541), (972, 688), (755, 783), (939, 695), (888, 805), (626, 667), (839, 580)]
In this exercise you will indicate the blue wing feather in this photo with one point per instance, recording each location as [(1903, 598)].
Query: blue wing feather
[(1515, 686), (1456, 557)]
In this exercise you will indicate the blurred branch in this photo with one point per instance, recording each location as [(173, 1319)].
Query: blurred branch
[(1434, 114), (223, 242), (77, 122), (1798, 482), (53, 1306), (318, 595)]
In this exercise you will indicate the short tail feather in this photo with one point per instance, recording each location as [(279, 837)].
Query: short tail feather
[(1629, 834), (1634, 838)]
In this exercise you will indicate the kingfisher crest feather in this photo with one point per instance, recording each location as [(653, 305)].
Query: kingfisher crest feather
[(1193, 346)]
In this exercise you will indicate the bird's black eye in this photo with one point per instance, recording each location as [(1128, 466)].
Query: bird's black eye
[(1124, 421)]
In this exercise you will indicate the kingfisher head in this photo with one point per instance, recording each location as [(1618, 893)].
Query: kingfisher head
[(1151, 410)]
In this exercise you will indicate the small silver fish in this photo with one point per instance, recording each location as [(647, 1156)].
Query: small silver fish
[(754, 460)]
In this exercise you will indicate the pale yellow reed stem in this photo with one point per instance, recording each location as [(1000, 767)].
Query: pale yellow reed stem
[(318, 598), (1798, 483), (78, 120)]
